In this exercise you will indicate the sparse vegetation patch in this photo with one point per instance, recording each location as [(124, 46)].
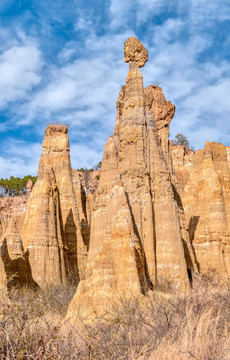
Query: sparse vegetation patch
[(32, 325)]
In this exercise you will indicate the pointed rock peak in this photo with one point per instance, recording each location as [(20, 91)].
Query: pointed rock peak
[(29, 186), (135, 52), (163, 111), (208, 150), (207, 146)]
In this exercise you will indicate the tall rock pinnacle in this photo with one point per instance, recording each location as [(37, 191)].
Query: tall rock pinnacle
[(135, 208), (51, 232)]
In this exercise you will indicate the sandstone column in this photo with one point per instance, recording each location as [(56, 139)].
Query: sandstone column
[(51, 232), (136, 236)]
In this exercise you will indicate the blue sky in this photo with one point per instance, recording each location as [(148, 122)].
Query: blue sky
[(62, 61)]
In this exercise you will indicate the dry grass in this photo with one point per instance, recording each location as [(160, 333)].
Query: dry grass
[(32, 326)]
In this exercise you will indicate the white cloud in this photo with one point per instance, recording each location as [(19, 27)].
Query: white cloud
[(123, 13), (208, 11), (214, 98), (19, 158), (70, 51), (19, 72), (58, 95), (146, 9), (83, 87), (84, 156), (199, 14), (83, 24), (15, 166)]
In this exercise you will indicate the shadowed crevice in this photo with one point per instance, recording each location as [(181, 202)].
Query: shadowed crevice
[(177, 197), (70, 235), (62, 245), (193, 222), (85, 229), (150, 284), (18, 271), (187, 252)]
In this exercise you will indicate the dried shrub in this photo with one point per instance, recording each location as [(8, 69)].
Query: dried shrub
[(194, 326), (30, 324)]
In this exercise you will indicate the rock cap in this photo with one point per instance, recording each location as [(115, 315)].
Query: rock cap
[(56, 128), (134, 51)]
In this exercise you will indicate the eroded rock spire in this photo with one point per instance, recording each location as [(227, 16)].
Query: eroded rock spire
[(135, 211), (52, 234)]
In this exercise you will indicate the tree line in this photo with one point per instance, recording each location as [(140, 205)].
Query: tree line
[(95, 167), (15, 185)]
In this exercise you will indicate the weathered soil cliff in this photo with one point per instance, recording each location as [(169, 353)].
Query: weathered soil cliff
[(13, 206), (14, 269), (182, 163), (206, 200)]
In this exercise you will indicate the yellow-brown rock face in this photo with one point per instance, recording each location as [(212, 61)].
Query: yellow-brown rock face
[(47, 249), (82, 201), (135, 52), (182, 163), (13, 264), (206, 200), (13, 205), (116, 266), (136, 237), (228, 155), (163, 112), (52, 233)]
